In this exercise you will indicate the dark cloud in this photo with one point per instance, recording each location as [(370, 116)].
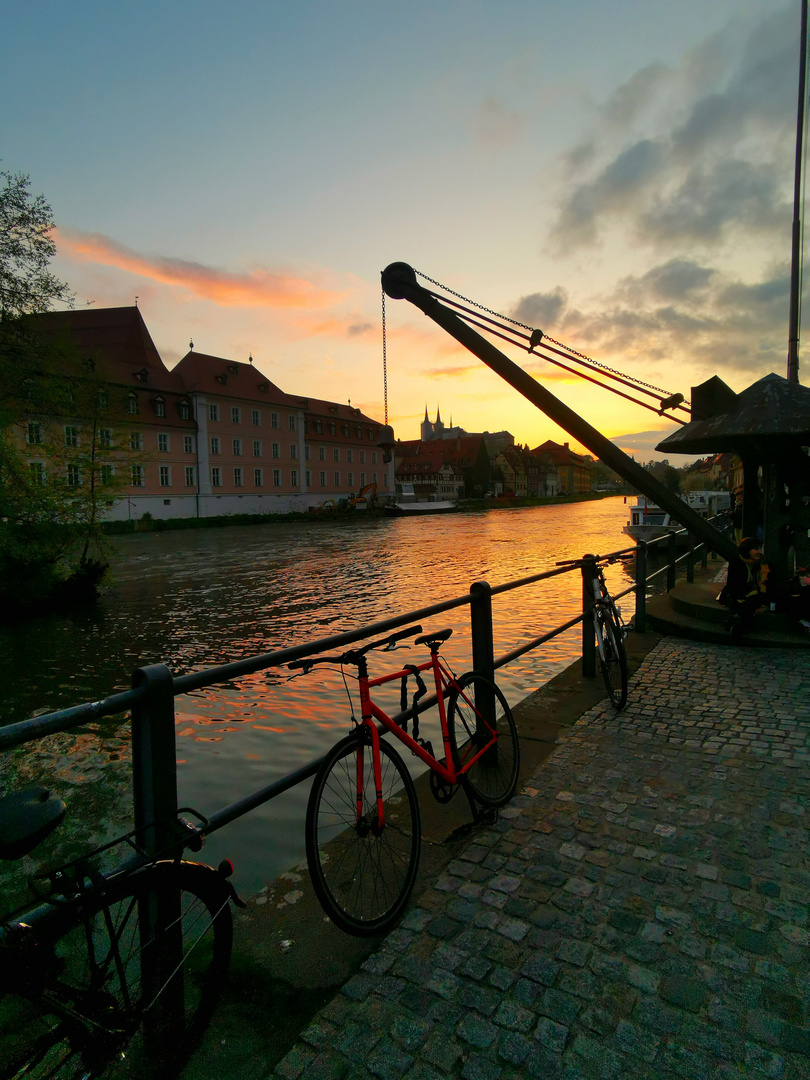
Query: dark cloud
[(359, 329), (540, 309), (676, 280), (720, 156)]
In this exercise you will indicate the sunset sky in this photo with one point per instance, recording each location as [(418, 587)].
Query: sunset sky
[(617, 174)]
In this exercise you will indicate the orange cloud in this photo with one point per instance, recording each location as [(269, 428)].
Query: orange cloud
[(258, 288)]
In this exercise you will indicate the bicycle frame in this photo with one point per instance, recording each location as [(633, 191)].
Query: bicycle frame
[(443, 679)]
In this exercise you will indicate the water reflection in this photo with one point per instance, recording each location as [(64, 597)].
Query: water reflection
[(195, 599)]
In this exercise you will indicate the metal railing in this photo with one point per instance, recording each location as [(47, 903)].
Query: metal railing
[(154, 689)]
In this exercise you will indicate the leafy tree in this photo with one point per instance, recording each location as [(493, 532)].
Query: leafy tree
[(26, 248), (48, 506)]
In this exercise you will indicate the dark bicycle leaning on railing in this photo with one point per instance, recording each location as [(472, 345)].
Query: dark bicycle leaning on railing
[(363, 828), (112, 972), (608, 626)]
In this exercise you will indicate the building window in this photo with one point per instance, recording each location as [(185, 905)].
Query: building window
[(188, 444), (107, 474), (362, 457), (336, 453), (321, 453), (308, 478), (318, 427), (374, 478), (34, 435), (190, 479), (350, 479), (307, 452), (37, 470), (332, 427), (373, 457), (163, 443), (256, 418), (182, 409), (291, 420), (293, 450), (273, 419), (350, 456), (257, 447), (346, 431), (294, 477), (71, 435), (213, 412), (237, 478), (138, 476), (165, 476), (215, 445), (74, 477), (236, 415), (257, 478), (276, 477), (276, 449), (132, 403), (216, 476), (160, 406), (323, 478), (370, 433), (362, 479), (104, 438), (337, 479), (103, 400), (136, 440), (237, 447)]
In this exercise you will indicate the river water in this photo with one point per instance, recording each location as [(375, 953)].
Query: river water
[(198, 598)]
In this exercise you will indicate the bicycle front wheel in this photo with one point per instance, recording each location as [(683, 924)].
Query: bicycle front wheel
[(612, 656), (362, 873), (126, 989), (491, 776)]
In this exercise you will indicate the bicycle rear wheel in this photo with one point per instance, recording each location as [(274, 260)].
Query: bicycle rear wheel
[(363, 876), (491, 779), (612, 656), (126, 988)]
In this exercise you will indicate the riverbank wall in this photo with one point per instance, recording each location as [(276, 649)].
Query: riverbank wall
[(146, 523)]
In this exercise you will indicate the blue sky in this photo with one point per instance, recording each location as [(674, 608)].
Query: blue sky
[(619, 174)]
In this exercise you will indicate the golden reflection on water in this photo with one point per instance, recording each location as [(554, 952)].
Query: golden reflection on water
[(192, 600)]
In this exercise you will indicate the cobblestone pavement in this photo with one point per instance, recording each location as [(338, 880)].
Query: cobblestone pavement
[(639, 910)]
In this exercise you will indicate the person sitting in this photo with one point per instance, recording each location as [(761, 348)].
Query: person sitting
[(746, 588)]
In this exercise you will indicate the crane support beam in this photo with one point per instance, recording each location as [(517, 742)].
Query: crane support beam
[(399, 282)]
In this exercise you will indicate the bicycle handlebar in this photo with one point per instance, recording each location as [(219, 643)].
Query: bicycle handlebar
[(353, 655)]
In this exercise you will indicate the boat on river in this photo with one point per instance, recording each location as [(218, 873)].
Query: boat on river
[(650, 522), (406, 503)]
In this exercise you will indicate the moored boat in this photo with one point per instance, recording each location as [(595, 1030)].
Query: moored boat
[(406, 503), (650, 522)]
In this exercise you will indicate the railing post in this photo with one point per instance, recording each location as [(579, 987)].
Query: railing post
[(671, 558), (483, 647), (690, 561), (588, 633), (640, 622), (154, 758)]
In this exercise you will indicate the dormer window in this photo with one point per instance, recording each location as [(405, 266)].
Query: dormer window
[(233, 368), (132, 402), (222, 379), (264, 387), (183, 410), (333, 409), (142, 375), (159, 405)]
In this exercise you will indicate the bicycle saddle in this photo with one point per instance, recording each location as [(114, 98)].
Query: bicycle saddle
[(430, 639), (26, 818)]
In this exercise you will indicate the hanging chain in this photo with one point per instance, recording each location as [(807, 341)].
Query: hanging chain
[(546, 337), (385, 360)]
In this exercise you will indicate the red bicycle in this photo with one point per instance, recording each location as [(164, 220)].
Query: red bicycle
[(363, 829)]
